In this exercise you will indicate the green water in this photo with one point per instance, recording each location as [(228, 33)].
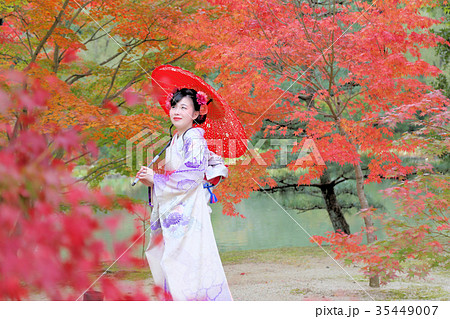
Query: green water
[(266, 224)]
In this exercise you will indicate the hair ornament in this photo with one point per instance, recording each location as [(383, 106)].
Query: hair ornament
[(202, 100), (169, 100)]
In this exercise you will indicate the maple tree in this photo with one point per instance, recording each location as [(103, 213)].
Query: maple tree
[(417, 236), (339, 68), (108, 95), (96, 88), (349, 57), (99, 101), (334, 192), (45, 39), (48, 227)]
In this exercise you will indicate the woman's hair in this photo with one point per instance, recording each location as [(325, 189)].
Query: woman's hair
[(181, 93)]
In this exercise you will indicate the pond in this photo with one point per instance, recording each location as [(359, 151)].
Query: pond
[(266, 224)]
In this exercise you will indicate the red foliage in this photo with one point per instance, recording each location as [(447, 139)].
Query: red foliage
[(418, 233), (162, 294), (70, 55), (132, 98), (110, 105), (47, 224), (360, 79)]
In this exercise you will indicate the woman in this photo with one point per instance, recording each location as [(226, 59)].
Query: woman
[(186, 261)]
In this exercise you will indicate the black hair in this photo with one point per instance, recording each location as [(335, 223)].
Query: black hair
[(181, 93)]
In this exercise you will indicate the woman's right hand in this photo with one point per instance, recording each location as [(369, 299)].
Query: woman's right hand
[(145, 176)]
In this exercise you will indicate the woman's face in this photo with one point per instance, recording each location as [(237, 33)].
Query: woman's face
[(183, 114)]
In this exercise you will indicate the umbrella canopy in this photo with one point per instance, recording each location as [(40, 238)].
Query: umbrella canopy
[(223, 130)]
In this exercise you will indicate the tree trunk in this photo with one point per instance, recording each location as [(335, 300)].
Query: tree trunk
[(333, 208), (359, 176), (375, 280)]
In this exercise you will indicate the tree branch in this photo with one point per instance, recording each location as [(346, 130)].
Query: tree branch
[(99, 168), (49, 33), (92, 38), (84, 5), (137, 77)]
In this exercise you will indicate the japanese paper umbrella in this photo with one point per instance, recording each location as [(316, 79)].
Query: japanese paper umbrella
[(223, 130)]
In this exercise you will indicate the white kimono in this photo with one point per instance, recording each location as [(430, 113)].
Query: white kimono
[(186, 263)]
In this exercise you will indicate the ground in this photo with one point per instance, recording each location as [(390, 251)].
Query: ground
[(301, 273), (310, 274)]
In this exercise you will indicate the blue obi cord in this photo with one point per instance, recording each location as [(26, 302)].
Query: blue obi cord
[(212, 198)]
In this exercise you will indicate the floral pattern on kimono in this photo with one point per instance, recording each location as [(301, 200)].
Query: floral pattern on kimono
[(186, 262)]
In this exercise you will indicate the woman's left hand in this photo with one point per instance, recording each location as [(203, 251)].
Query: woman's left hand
[(145, 176)]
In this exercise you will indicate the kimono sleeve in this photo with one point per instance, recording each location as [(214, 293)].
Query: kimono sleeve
[(216, 167), (191, 172)]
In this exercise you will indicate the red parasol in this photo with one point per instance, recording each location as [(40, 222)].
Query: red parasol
[(223, 130)]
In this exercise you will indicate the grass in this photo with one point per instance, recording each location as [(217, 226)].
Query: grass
[(286, 255), (122, 273), (298, 291), (306, 257), (422, 292), (133, 275), (444, 270)]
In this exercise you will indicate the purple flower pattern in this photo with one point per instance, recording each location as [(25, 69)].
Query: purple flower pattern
[(155, 225), (161, 179), (186, 146), (194, 164), (185, 184), (175, 218)]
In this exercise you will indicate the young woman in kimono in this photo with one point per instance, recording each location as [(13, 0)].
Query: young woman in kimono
[(186, 261)]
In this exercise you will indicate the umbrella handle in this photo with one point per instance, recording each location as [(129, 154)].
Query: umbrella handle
[(153, 161)]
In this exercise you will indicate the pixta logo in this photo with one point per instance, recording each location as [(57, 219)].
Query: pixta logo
[(308, 153), (144, 143)]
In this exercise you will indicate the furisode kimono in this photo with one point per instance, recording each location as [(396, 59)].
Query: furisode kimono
[(186, 263)]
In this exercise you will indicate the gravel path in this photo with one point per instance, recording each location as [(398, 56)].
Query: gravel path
[(270, 275), (322, 281)]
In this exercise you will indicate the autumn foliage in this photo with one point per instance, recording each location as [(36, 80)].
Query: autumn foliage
[(416, 238), (349, 58), (107, 96), (48, 228), (348, 71)]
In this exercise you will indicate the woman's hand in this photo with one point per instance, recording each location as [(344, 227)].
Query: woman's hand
[(145, 176)]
